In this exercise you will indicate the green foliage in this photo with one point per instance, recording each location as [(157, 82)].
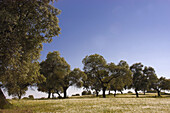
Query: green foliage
[(146, 79), (100, 73), (150, 78), (94, 67), (58, 75), (137, 70), (76, 95), (151, 91), (25, 98), (54, 69), (31, 97), (92, 83), (86, 93), (19, 85), (161, 84), (129, 92), (139, 79), (117, 84), (25, 25), (75, 77), (167, 84), (122, 82)]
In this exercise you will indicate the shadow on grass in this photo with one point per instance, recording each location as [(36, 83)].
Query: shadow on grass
[(126, 95)]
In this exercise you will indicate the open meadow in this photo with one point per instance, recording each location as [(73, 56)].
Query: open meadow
[(54, 51), (121, 103)]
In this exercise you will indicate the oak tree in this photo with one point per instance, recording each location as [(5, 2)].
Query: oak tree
[(74, 78), (122, 82), (149, 78), (54, 69), (161, 84), (137, 70), (25, 25), (95, 67)]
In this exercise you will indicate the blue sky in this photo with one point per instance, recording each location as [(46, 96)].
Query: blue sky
[(130, 30)]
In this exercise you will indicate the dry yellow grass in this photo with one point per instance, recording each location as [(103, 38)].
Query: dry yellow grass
[(93, 105)]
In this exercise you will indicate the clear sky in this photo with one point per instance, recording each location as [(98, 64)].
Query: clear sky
[(130, 30)]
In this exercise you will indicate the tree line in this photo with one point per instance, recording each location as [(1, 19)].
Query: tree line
[(98, 75)]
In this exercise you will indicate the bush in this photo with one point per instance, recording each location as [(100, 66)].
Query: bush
[(25, 98), (42, 98), (54, 97), (59, 97), (130, 92), (151, 91), (14, 98), (86, 93), (89, 92), (76, 95), (31, 97)]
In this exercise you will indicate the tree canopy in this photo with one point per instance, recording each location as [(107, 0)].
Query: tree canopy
[(161, 84), (25, 25), (58, 75), (137, 70), (76, 77), (145, 78), (96, 68), (122, 82), (54, 69)]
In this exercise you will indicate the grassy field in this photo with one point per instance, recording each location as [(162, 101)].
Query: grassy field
[(93, 105)]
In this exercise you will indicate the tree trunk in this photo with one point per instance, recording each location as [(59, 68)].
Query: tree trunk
[(19, 97), (121, 92), (59, 96), (159, 92), (97, 93), (136, 93), (115, 93), (144, 91), (53, 95), (104, 92), (49, 93), (109, 91), (3, 102), (65, 91)]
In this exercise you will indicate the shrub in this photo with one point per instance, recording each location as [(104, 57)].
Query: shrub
[(25, 98), (76, 95), (59, 97), (151, 91), (86, 93), (14, 98), (42, 98), (31, 97), (130, 92), (89, 92), (54, 97)]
